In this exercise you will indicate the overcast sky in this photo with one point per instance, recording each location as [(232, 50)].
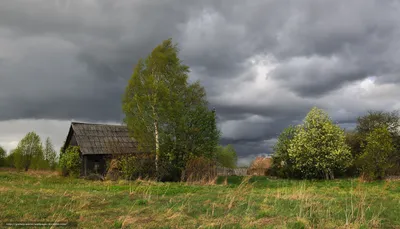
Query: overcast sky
[(263, 63)]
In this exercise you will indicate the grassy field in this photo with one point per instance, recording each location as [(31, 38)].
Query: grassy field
[(234, 202)]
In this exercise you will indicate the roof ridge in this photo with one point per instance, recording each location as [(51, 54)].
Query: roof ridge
[(96, 124)]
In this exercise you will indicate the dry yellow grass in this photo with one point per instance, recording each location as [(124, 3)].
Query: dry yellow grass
[(232, 202)]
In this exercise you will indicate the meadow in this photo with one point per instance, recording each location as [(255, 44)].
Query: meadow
[(230, 202)]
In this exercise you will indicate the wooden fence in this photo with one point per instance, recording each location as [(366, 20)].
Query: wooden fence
[(222, 171)]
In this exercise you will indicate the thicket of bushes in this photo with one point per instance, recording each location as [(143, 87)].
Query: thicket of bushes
[(320, 149), (199, 169), (141, 166), (131, 167)]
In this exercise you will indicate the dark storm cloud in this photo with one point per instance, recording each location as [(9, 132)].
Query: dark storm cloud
[(67, 59), (329, 44)]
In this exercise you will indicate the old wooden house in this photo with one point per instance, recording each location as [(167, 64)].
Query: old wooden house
[(98, 143)]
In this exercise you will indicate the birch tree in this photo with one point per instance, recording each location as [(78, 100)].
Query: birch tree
[(163, 111)]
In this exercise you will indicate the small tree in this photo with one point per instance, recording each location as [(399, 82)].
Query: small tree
[(377, 119), (282, 163), (29, 152), (227, 156), (70, 162), (319, 149), (50, 154), (375, 160)]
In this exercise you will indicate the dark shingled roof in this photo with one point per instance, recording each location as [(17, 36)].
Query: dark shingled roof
[(102, 138)]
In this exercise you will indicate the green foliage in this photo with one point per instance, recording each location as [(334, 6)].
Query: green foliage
[(133, 167), (18, 160), (374, 162), (10, 159), (167, 115), (282, 163), (318, 148), (379, 119), (50, 154), (3, 155), (354, 140), (194, 131), (29, 153), (127, 165), (227, 156), (70, 162)]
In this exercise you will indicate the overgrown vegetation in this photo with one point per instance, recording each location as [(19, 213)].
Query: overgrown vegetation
[(134, 167), (282, 163), (226, 156), (375, 160), (235, 202), (199, 169), (320, 149), (70, 162)]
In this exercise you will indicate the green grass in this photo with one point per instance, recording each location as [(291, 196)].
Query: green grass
[(235, 202)]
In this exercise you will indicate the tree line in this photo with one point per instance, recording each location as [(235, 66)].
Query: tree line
[(320, 149), (30, 154)]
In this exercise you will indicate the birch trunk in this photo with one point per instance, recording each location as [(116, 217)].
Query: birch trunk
[(157, 144)]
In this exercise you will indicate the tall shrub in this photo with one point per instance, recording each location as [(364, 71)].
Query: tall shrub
[(226, 156), (70, 162), (375, 160), (318, 148)]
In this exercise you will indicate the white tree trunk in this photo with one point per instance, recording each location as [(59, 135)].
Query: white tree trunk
[(156, 137)]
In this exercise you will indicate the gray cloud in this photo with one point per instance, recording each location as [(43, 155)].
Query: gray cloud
[(64, 60)]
